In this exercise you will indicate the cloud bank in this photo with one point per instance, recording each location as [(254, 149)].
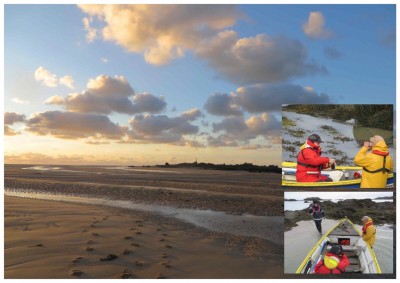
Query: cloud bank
[(161, 32), (262, 98), (106, 94)]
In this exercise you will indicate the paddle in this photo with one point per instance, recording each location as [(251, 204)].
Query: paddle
[(320, 256)]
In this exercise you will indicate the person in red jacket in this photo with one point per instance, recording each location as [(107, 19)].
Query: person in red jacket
[(334, 262), (310, 162)]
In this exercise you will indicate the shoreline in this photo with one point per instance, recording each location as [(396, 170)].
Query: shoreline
[(292, 217), (48, 239), (230, 192)]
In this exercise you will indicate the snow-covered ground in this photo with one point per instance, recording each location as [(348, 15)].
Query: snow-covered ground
[(338, 138)]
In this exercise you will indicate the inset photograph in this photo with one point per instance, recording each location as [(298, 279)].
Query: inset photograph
[(338, 146), (339, 232)]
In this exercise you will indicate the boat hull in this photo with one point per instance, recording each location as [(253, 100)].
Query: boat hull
[(360, 254), (289, 178)]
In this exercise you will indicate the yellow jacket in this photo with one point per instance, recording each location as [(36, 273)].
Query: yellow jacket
[(371, 162), (369, 235)]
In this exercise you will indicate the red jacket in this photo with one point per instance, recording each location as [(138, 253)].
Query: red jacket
[(320, 267), (309, 161)]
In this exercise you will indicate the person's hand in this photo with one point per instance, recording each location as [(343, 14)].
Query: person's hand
[(367, 144), (332, 161)]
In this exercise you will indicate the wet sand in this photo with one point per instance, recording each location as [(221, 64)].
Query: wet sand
[(48, 239), (234, 192), (53, 239)]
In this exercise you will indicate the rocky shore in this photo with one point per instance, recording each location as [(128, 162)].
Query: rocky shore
[(354, 209)]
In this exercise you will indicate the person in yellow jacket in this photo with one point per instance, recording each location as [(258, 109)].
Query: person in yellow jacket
[(376, 164), (368, 230)]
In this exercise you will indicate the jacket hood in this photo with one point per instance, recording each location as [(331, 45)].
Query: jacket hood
[(369, 220), (381, 146)]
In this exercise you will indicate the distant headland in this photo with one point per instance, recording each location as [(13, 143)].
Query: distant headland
[(232, 167)]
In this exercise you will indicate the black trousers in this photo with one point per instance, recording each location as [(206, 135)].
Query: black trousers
[(318, 225)]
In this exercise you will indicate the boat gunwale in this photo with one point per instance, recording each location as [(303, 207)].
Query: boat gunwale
[(324, 184)]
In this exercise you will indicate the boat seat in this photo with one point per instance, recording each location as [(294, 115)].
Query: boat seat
[(289, 176), (353, 268), (347, 248), (354, 262)]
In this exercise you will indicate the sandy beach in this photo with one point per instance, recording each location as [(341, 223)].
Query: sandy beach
[(60, 239)]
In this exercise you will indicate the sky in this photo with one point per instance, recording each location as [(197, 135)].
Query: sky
[(150, 84), (337, 195)]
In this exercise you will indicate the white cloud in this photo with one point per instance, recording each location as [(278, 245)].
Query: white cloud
[(56, 100), (265, 97), (67, 81), (236, 131), (259, 59), (72, 125), (19, 101), (91, 32), (163, 129), (51, 80), (261, 98), (160, 32), (315, 26), (47, 78), (11, 118), (106, 94), (222, 104)]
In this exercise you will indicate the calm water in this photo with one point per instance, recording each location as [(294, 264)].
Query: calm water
[(300, 204), (302, 238)]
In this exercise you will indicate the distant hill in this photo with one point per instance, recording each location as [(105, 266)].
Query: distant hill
[(384, 198), (249, 167)]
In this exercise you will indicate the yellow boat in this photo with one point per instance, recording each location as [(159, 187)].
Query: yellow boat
[(342, 176), (362, 258)]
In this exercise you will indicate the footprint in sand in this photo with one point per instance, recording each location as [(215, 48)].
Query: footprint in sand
[(76, 272), (77, 260), (162, 240), (158, 229), (90, 242), (164, 255), (138, 233), (161, 276), (168, 246), (89, 249), (126, 252), (127, 238), (109, 257), (34, 246), (165, 235), (166, 264), (139, 263), (135, 244), (126, 274), (95, 234)]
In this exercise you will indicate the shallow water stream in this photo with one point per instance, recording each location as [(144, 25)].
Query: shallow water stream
[(266, 227)]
